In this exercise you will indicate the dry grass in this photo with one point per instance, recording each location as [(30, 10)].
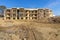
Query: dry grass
[(37, 30)]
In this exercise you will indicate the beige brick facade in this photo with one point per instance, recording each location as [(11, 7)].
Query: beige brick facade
[(27, 13)]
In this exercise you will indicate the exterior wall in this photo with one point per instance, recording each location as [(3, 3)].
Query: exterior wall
[(7, 14), (40, 13), (48, 13), (27, 14), (14, 13)]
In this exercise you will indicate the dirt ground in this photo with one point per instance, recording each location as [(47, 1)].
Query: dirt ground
[(27, 30)]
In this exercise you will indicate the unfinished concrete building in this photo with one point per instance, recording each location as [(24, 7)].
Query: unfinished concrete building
[(27, 13)]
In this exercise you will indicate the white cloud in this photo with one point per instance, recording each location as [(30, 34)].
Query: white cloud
[(53, 4)]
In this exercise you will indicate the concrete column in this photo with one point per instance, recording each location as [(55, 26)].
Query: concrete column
[(11, 14), (20, 18), (16, 17), (28, 15), (16, 14), (24, 18), (31, 18), (5, 14)]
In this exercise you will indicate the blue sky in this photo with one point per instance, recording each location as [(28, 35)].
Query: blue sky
[(51, 4)]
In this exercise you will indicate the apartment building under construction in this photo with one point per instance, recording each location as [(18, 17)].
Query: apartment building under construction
[(26, 13)]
